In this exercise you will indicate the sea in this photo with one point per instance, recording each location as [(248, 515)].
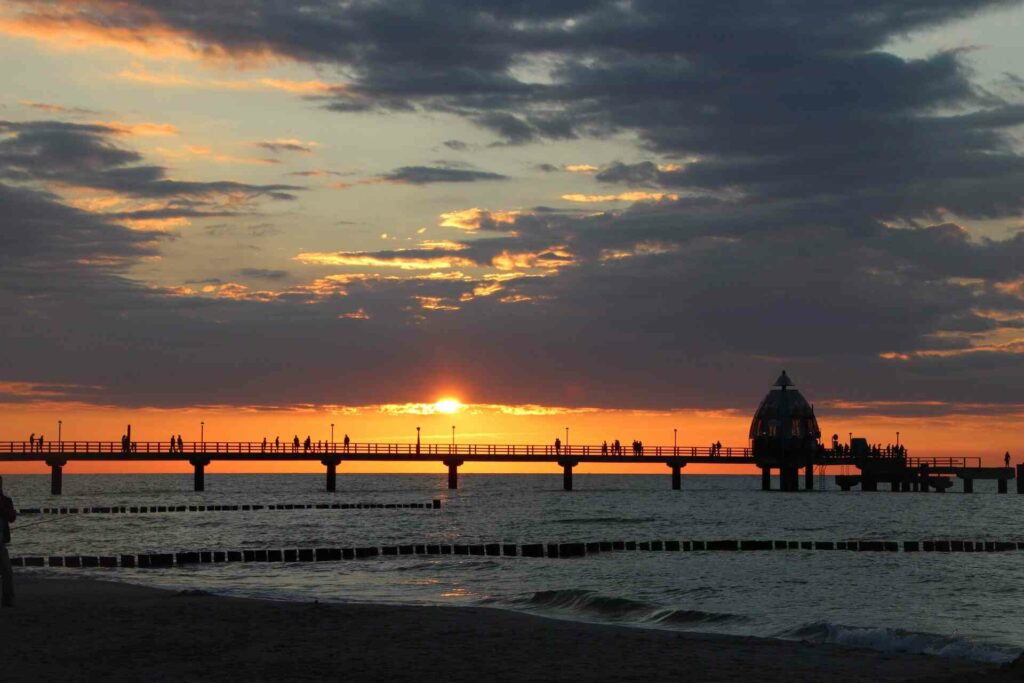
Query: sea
[(958, 605)]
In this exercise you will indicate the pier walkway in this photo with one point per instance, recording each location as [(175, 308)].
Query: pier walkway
[(919, 473)]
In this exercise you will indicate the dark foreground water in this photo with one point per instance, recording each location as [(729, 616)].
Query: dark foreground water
[(952, 604)]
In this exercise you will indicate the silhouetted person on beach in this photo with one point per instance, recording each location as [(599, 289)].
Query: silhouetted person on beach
[(7, 517), (558, 446)]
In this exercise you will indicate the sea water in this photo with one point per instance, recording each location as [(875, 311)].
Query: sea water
[(964, 605)]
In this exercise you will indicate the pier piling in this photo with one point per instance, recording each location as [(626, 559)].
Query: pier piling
[(1020, 478), (56, 475), (199, 473), (968, 485), (766, 479), (453, 473), (332, 473), (677, 466), (567, 466)]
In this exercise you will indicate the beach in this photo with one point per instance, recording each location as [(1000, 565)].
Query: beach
[(81, 629)]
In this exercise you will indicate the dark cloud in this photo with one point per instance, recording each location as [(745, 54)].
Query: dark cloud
[(826, 190), (277, 146), (82, 155), (424, 175), (264, 273), (456, 145)]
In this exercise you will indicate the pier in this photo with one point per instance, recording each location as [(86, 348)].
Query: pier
[(784, 438)]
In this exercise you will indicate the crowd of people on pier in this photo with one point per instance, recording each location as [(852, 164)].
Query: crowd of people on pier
[(306, 446)]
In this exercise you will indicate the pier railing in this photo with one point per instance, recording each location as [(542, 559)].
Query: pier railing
[(270, 448), (953, 462)]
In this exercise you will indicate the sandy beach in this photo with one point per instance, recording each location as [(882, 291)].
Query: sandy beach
[(76, 629)]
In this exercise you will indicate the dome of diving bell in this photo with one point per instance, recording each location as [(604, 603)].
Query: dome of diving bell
[(784, 414)]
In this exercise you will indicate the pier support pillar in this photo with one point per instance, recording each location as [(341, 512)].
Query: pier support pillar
[(677, 466), (332, 473), (868, 483), (904, 485), (766, 478), (809, 477), (56, 476), (894, 485), (789, 478), (1002, 486), (453, 473), (968, 486), (924, 478), (199, 473), (567, 466), (1020, 478)]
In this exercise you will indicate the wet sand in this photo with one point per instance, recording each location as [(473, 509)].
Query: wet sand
[(76, 629)]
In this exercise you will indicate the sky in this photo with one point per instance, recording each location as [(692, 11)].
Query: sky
[(620, 217)]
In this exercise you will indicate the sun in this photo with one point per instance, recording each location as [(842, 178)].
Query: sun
[(448, 405)]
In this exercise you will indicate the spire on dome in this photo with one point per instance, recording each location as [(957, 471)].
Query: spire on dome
[(783, 381)]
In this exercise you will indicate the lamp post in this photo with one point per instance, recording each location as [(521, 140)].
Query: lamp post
[(332, 434), (897, 438), (675, 440), (851, 438), (60, 438), (567, 437), (417, 441), (453, 435), (202, 435)]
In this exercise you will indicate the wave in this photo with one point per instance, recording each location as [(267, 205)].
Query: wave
[(898, 640), (603, 520), (589, 605)]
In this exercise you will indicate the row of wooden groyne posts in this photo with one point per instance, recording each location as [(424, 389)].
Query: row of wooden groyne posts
[(149, 509), (533, 550)]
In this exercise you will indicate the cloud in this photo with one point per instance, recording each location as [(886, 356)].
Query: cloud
[(286, 145), (82, 155), (621, 197), (264, 273), (823, 205), (50, 108), (426, 175)]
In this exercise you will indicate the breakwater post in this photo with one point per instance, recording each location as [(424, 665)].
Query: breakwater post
[(1020, 478)]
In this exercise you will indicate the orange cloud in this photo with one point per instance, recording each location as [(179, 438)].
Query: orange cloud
[(581, 168), (621, 197), (471, 219), (140, 129), (343, 258), (174, 80)]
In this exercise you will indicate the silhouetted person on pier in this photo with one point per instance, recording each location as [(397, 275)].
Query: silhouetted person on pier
[(346, 442), (604, 448), (277, 443), (295, 444), (718, 448), (558, 446), (181, 444), (7, 517), (308, 445), (32, 441), (1006, 458), (618, 447), (40, 443), (263, 446)]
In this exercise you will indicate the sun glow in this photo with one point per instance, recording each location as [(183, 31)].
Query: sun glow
[(448, 405)]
